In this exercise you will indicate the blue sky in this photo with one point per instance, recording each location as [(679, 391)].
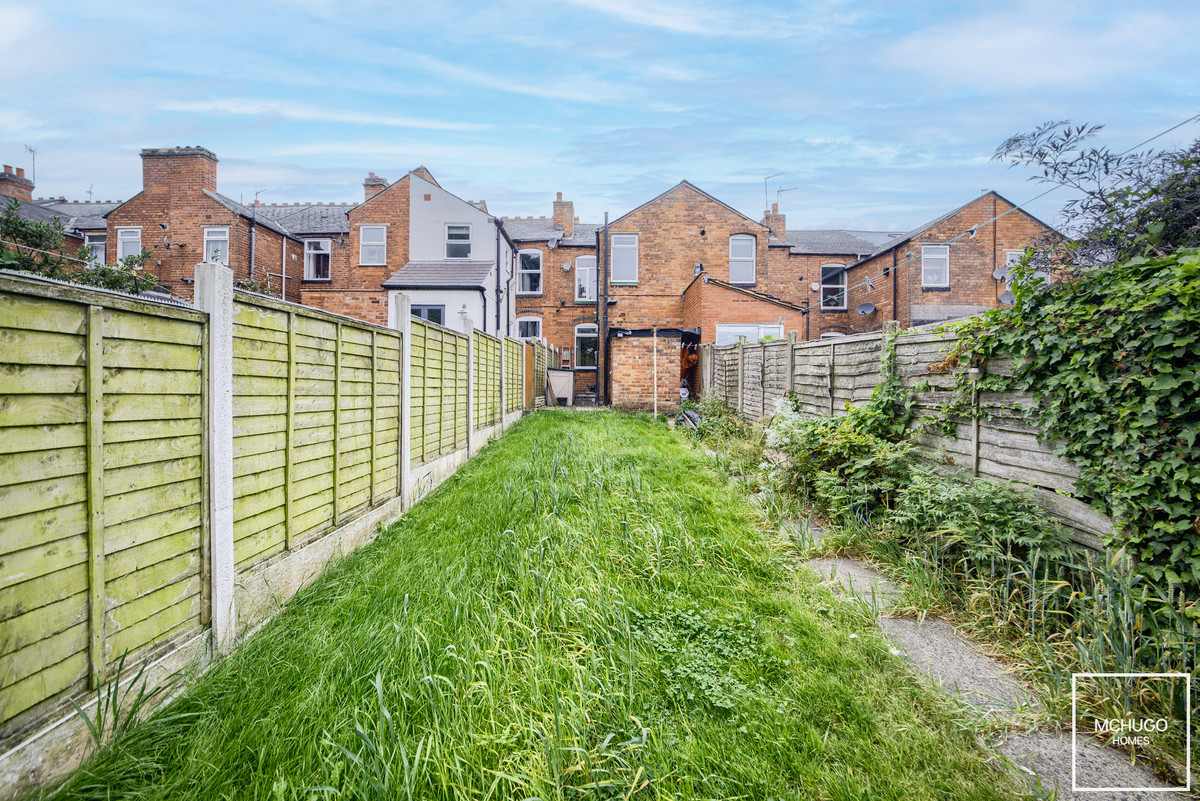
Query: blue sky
[(878, 115)]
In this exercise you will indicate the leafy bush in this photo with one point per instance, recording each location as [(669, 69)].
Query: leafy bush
[(1112, 358), (847, 464)]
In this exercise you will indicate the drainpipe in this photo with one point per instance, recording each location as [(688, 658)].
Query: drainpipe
[(895, 283), (656, 371), (602, 394), (253, 232), (283, 269)]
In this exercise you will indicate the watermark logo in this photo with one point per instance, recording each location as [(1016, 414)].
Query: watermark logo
[(1137, 712)]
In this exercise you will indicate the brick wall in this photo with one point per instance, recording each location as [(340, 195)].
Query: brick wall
[(632, 372), (708, 304), (677, 230), (356, 290), (15, 184)]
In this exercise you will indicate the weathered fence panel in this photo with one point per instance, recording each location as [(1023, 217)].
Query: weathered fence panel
[(486, 378), (998, 443), (514, 371), (439, 391)]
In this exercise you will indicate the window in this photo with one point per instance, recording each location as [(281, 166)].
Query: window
[(129, 242), (529, 327), (728, 334), (372, 244), (216, 245), (587, 346), (833, 286), (95, 244), (585, 278), (741, 259), (434, 314), (529, 272), (316, 259), (1013, 257), (935, 266), (624, 258), (458, 241)]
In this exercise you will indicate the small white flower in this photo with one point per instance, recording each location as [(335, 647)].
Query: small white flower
[(895, 651), (854, 636)]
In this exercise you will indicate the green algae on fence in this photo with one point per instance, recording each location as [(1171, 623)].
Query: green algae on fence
[(514, 361), (101, 487), (439, 374), (485, 378)]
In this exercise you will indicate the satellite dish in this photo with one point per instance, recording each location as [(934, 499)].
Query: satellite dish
[(1008, 298), (865, 308), (816, 287), (566, 266), (1000, 273)]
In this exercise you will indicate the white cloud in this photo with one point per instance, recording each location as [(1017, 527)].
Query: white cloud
[(256, 108)]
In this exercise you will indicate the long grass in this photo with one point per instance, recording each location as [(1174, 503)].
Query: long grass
[(586, 610)]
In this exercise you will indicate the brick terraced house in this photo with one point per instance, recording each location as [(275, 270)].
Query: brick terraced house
[(628, 301)]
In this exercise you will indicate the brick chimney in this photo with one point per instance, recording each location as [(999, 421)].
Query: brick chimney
[(564, 215), (178, 169), (15, 184), (373, 185), (776, 222)]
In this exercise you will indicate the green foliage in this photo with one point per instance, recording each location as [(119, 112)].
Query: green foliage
[(1112, 358), (851, 464), (37, 247)]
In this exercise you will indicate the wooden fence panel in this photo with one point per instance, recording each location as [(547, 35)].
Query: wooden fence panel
[(439, 391), (487, 380), (101, 488), (513, 371)]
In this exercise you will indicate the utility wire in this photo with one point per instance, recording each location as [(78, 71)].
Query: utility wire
[(870, 281)]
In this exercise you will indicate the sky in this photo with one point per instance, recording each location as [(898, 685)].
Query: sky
[(865, 115)]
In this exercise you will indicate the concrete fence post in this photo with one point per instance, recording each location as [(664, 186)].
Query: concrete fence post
[(214, 296), (472, 382), (741, 372), (400, 316)]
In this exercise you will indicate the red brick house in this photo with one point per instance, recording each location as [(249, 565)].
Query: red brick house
[(181, 218)]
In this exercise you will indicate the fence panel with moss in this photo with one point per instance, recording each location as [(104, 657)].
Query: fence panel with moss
[(170, 476), (991, 437)]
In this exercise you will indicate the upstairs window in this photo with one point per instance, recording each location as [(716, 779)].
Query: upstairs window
[(585, 278), (372, 244), (129, 242), (741, 259), (216, 245), (458, 241), (529, 327), (316, 259), (96, 246), (624, 258), (587, 346), (935, 266), (833, 286), (529, 272)]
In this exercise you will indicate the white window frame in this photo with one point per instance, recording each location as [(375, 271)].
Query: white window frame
[(217, 234), (309, 254), (728, 333), (587, 330), (587, 278), (522, 272), (840, 286), (624, 255), (935, 257), (97, 245), (128, 238), (742, 261), (1012, 257), (529, 319), (367, 247), (450, 241)]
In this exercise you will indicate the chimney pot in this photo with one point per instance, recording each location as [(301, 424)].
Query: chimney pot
[(8, 169), (774, 208), (559, 196), (20, 172)]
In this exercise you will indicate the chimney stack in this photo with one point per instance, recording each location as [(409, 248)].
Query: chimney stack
[(564, 216), (776, 222), (373, 185), (178, 169), (15, 184)]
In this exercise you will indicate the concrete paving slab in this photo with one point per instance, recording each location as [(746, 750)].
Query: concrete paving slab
[(1049, 756), (854, 577), (937, 649)]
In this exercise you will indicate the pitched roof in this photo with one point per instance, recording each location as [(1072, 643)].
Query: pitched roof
[(696, 189), (81, 214), (309, 218), (836, 242), (708, 279), (32, 212), (440, 275), (542, 229), (249, 214)]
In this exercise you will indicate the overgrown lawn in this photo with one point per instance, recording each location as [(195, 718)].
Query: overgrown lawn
[(586, 610)]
